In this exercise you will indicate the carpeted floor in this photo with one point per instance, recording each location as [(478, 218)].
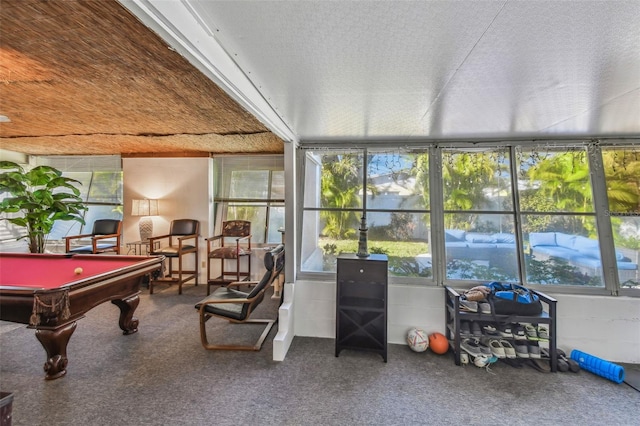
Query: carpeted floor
[(162, 376)]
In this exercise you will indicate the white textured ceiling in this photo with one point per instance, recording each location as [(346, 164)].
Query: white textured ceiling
[(417, 70)]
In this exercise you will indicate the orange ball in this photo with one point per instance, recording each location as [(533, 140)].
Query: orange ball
[(438, 343)]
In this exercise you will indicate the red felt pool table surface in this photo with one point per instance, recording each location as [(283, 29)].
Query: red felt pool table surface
[(47, 271), (43, 291)]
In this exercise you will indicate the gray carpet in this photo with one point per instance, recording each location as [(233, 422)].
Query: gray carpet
[(162, 376)]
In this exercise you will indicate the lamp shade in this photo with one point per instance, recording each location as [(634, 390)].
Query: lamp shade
[(144, 208)]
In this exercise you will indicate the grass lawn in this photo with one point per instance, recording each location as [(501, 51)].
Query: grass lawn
[(390, 248)]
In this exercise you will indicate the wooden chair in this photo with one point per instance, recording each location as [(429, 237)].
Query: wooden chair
[(181, 240), (233, 243), (105, 237), (236, 306)]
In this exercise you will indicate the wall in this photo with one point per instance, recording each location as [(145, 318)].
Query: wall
[(608, 327), (183, 186)]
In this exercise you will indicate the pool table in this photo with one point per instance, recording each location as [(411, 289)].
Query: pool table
[(50, 293)]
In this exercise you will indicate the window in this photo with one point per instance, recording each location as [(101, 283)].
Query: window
[(252, 188), (102, 193), (479, 221), (395, 209), (509, 212), (558, 217), (622, 174), (101, 189)]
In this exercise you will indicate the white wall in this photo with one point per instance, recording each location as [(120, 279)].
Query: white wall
[(607, 327), (183, 186)]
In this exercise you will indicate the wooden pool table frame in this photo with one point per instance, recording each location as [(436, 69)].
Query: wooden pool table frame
[(67, 304)]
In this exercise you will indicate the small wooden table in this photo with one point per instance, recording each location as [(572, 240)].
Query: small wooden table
[(140, 247)]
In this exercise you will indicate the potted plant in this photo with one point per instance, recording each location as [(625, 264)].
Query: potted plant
[(39, 197)]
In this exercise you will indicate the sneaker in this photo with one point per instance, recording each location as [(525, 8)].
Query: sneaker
[(509, 350), (484, 307), (531, 331), (471, 347), (505, 330), (522, 349), (543, 333), (476, 330), (497, 349), (542, 365), (468, 306), (534, 350), (519, 333), (490, 330), (482, 344), (465, 331)]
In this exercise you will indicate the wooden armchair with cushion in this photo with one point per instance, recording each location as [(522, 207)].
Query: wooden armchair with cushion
[(105, 237), (237, 306), (233, 243), (182, 240)]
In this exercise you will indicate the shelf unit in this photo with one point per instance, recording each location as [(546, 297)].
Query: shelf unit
[(453, 318), (361, 303)]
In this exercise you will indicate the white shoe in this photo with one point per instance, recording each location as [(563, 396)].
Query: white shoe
[(468, 306), (543, 333), (509, 350), (497, 349)]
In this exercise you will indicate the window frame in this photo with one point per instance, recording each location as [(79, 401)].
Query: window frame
[(224, 168), (70, 166), (600, 211)]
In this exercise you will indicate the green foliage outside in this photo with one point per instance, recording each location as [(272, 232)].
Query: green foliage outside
[(390, 248), (558, 182), (401, 254), (465, 178), (340, 184)]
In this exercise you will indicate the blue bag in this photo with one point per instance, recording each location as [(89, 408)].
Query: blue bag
[(513, 299)]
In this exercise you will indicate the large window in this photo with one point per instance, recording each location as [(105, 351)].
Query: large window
[(100, 188), (102, 194), (479, 215), (252, 188), (395, 209), (622, 173), (558, 217), (514, 213)]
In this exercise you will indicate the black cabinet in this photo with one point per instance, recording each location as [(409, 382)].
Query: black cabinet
[(454, 317), (361, 303)]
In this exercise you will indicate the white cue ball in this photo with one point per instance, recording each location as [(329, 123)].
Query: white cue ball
[(77, 271)]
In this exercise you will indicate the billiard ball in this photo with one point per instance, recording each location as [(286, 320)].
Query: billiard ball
[(77, 271)]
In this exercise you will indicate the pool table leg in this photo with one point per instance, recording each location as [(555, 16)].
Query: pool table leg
[(128, 323), (55, 344)]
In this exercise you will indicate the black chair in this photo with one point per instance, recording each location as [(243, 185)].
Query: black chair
[(181, 240), (105, 237), (233, 243), (236, 306)]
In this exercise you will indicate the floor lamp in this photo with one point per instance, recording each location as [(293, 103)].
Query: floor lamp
[(144, 209)]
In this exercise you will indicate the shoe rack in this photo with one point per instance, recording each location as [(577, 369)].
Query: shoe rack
[(454, 316)]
